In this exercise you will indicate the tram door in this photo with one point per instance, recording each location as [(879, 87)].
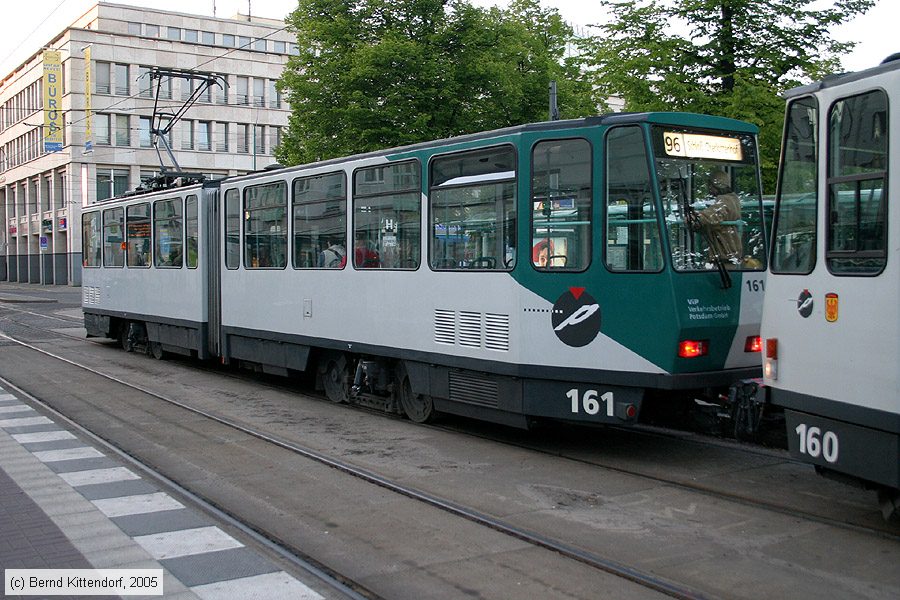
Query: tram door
[(209, 209)]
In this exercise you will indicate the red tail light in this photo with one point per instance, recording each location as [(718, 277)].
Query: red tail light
[(693, 348), (753, 344)]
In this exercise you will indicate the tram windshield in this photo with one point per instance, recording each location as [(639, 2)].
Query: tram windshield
[(709, 186)]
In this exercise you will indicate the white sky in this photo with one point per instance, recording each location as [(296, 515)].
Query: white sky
[(27, 24)]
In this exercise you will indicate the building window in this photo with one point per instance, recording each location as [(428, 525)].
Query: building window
[(228, 40), (221, 91), (151, 30), (243, 42), (111, 182), (259, 44), (204, 141), (122, 83), (243, 91), (144, 131), (208, 37), (259, 139), (134, 28), (123, 131), (191, 35), (145, 89), (101, 129), (187, 135), (279, 47), (243, 141), (259, 91), (173, 33), (101, 77), (221, 133), (274, 95)]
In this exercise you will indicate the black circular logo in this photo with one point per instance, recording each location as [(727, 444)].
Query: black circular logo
[(805, 304), (576, 318)]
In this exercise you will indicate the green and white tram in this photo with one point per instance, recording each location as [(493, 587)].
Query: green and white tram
[(831, 320), (571, 270)]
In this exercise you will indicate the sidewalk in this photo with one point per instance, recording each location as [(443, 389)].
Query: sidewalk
[(66, 505)]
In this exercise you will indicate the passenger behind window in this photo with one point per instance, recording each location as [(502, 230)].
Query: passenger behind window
[(365, 257), (333, 257)]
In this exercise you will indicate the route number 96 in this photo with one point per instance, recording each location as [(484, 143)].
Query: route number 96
[(589, 401), (815, 443)]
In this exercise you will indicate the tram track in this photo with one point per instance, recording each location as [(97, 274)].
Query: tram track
[(521, 440), (619, 570), (626, 572)]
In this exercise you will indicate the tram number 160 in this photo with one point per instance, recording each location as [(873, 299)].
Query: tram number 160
[(815, 443), (589, 402)]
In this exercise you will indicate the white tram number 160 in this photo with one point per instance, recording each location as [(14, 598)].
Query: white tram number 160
[(815, 443), (589, 403)]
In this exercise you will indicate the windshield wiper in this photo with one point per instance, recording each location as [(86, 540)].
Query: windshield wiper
[(692, 222)]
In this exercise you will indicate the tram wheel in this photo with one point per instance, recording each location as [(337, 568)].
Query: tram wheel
[(336, 380), (156, 350), (126, 344), (418, 407)]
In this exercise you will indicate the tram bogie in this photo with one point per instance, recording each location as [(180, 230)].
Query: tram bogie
[(572, 270)]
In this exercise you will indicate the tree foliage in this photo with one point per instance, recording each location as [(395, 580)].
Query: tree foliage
[(726, 57), (372, 74)]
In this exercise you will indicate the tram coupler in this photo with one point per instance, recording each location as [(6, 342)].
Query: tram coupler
[(746, 404)]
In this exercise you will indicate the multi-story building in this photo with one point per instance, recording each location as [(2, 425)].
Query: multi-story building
[(230, 130)]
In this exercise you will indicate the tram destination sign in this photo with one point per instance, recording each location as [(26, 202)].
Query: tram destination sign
[(695, 145)]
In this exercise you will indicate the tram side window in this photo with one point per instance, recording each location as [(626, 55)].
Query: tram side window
[(167, 233), (857, 196), (632, 228), (265, 226), (91, 239), (794, 237), (113, 229), (387, 216), (561, 205), (191, 230), (473, 210), (137, 234), (320, 222), (232, 229)]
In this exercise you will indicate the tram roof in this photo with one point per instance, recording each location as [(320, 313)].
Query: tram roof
[(891, 63)]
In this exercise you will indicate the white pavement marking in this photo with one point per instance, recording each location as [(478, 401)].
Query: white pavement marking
[(14, 408), (186, 542), (271, 586), (42, 436), (138, 504), (94, 476), (25, 421), (6, 396), (68, 454)]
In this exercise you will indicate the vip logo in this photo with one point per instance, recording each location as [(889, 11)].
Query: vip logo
[(576, 318), (805, 304)]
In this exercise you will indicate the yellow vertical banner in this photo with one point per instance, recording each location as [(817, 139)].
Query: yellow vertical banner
[(88, 116), (53, 116)]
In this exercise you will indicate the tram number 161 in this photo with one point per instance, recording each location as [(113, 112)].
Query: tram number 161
[(815, 443), (589, 403)]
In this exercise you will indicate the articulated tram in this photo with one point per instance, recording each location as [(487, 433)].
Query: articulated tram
[(567, 270), (831, 319)]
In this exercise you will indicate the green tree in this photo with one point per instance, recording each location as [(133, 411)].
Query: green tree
[(727, 57), (373, 74)]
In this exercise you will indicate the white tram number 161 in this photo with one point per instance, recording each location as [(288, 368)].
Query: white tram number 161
[(816, 443), (589, 403)]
